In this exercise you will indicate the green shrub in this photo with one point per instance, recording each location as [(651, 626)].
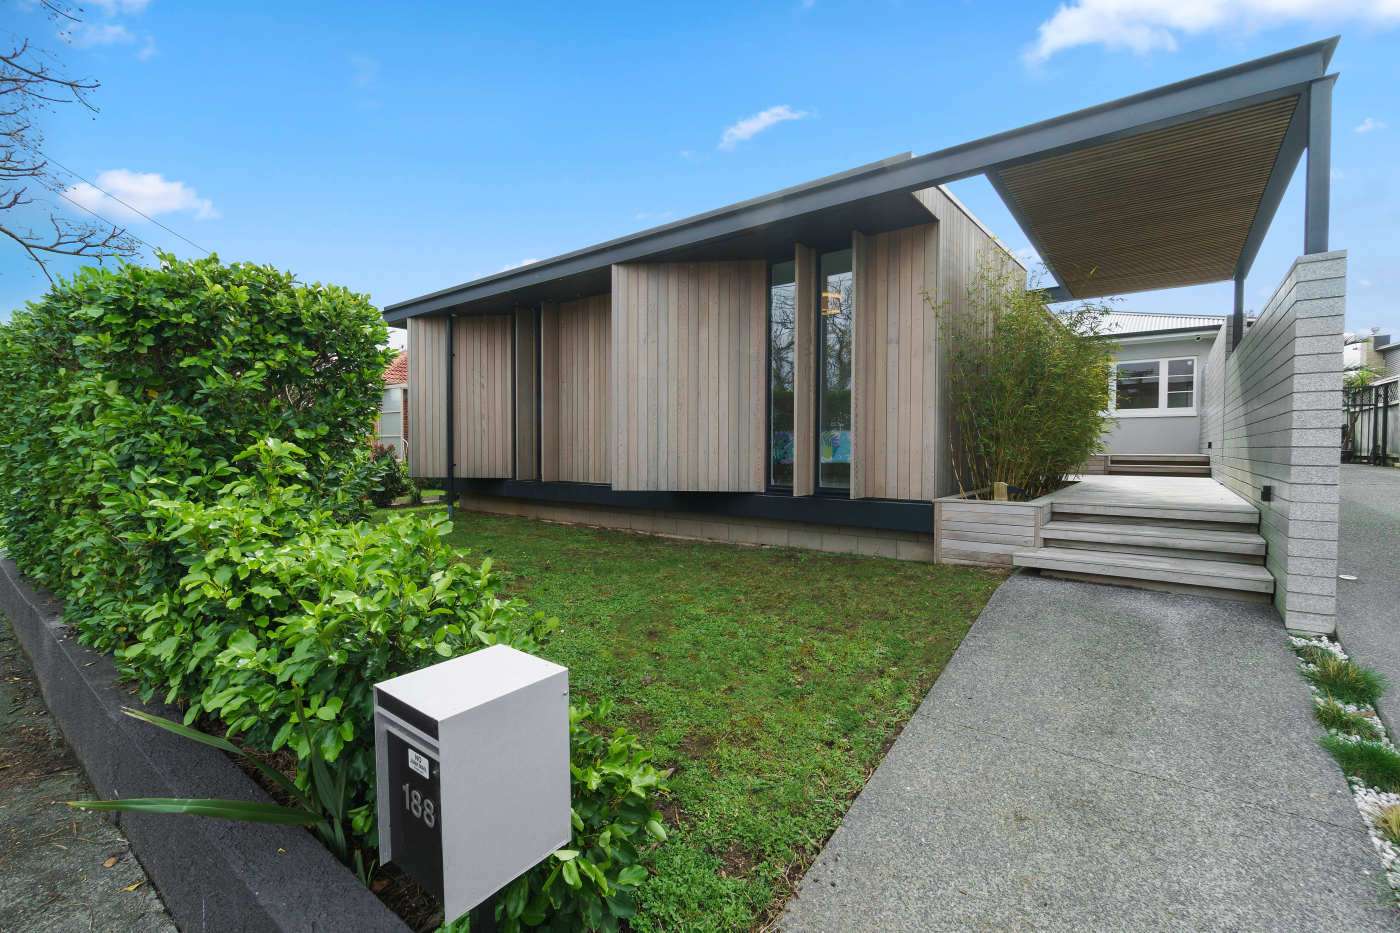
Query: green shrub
[(389, 476), (592, 884), (1374, 763), (1345, 680), (1027, 386), (186, 467), (129, 384)]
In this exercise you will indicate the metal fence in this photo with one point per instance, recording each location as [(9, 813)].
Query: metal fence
[(1371, 431)]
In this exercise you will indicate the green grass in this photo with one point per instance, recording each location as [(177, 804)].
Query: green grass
[(1334, 715), (1376, 764), (772, 680), (1346, 680)]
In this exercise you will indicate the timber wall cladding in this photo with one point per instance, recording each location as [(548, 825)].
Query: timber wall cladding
[(895, 444), (526, 398), (576, 367), (427, 397), (481, 386), (688, 376)]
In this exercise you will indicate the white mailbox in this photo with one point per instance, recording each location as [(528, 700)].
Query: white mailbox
[(473, 771)]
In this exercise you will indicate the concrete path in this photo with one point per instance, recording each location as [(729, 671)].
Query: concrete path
[(60, 870), (1368, 608), (1103, 758)]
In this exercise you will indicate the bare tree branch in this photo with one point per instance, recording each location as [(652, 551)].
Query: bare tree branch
[(31, 85)]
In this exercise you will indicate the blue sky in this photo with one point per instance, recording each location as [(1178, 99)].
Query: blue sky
[(398, 149)]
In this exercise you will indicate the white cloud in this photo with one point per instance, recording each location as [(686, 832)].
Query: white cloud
[(91, 35), (148, 192), (654, 216), (517, 265), (1369, 124), (749, 127), (118, 7), (1144, 26), (148, 51)]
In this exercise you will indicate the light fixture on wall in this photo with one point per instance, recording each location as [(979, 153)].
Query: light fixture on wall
[(831, 304)]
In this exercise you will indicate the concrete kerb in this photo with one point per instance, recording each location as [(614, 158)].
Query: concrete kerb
[(212, 874)]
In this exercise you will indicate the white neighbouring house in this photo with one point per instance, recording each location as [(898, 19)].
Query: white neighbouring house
[(1158, 380)]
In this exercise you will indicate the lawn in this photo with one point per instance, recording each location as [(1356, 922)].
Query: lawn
[(771, 680)]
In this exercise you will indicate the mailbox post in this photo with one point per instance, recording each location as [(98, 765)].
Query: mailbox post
[(472, 764)]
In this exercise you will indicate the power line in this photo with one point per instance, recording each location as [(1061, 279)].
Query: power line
[(121, 202), (94, 213)]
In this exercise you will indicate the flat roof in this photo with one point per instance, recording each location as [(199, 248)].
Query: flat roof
[(1111, 154)]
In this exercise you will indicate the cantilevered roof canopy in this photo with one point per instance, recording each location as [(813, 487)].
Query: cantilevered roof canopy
[(1173, 186)]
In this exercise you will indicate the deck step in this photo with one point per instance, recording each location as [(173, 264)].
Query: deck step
[(1212, 575), (1168, 540), (1157, 469), (1194, 459), (1224, 516)]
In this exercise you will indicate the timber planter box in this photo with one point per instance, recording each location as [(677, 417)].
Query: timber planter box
[(968, 529)]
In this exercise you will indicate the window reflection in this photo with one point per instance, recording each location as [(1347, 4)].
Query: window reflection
[(782, 293), (836, 313)]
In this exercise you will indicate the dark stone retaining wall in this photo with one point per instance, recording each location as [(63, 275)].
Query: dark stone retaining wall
[(214, 875)]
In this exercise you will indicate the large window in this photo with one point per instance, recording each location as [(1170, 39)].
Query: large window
[(1144, 388), (836, 315), (782, 293)]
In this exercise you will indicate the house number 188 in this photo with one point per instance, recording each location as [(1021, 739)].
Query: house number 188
[(421, 807)]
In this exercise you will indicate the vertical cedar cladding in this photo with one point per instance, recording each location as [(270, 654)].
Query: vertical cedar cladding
[(481, 384), (526, 399), (575, 353), (427, 397), (689, 380)]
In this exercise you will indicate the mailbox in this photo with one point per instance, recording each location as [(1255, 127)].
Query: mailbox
[(473, 771)]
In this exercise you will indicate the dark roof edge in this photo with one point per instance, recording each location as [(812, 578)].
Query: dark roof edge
[(734, 208), (904, 164)]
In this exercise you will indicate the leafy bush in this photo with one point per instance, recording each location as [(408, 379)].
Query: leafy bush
[(129, 384), (592, 885), (1028, 386), (389, 476), (185, 466)]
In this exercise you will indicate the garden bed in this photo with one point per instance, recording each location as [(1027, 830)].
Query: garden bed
[(771, 679), (971, 529)]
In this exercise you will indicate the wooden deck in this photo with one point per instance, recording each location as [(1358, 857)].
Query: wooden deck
[(1169, 497)]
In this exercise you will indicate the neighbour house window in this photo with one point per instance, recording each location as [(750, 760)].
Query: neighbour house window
[(782, 293), (390, 428), (836, 316), (1154, 387)]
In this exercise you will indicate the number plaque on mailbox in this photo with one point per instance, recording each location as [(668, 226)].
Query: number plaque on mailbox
[(473, 771)]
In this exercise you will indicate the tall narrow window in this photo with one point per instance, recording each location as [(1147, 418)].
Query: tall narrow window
[(836, 315), (782, 293)]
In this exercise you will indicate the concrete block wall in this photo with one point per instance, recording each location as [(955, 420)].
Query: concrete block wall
[(1281, 423)]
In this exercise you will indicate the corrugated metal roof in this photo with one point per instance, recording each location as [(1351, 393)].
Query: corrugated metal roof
[(1123, 323)]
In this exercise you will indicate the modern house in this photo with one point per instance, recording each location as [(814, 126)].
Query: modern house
[(769, 372)]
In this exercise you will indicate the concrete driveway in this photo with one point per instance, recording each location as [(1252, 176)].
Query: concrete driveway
[(1368, 608), (1104, 758)]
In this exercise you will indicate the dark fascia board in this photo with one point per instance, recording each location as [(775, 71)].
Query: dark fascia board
[(1241, 85)]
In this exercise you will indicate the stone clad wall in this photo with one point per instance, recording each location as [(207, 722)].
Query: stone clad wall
[(1282, 419)]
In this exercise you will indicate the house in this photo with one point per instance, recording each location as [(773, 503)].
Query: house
[(769, 371), (1155, 394), (392, 429)]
